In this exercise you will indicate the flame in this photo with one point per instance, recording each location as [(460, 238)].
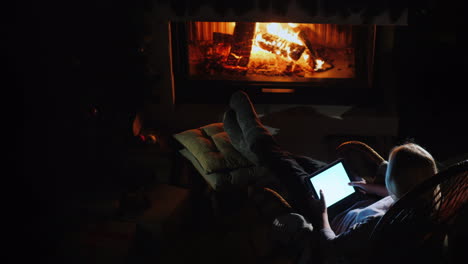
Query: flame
[(282, 30), (318, 64), (287, 33), (284, 33)]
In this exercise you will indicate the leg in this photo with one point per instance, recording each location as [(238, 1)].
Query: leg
[(232, 128), (309, 164), (251, 126), (262, 144)]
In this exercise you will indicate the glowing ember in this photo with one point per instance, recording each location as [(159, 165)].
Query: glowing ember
[(318, 64)]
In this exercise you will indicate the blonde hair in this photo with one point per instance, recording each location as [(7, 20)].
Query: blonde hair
[(409, 165)]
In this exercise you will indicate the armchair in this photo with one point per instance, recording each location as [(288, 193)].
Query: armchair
[(428, 224)]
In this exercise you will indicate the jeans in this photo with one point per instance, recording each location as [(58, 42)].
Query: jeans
[(292, 171)]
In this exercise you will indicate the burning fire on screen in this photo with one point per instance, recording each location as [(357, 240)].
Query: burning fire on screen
[(286, 40), (271, 49)]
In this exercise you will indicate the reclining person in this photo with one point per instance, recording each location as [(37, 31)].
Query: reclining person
[(347, 236)]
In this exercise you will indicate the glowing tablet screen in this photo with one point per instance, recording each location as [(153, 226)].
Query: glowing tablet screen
[(334, 183)]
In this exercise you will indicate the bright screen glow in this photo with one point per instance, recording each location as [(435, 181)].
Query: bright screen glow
[(334, 183)]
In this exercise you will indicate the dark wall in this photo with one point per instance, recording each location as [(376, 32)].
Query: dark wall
[(431, 103), (77, 68)]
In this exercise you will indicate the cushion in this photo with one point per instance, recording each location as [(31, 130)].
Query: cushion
[(224, 180), (211, 147), (216, 180)]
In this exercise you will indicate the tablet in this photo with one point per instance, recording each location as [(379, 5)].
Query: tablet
[(333, 180)]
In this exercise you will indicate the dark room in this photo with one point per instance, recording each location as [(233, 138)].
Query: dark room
[(197, 131)]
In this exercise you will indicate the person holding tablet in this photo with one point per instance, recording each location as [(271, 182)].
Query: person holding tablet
[(409, 164), (345, 237)]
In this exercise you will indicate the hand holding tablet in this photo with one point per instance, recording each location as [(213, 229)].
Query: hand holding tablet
[(334, 181), (370, 188)]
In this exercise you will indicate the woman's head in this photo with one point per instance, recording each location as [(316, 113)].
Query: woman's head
[(408, 165)]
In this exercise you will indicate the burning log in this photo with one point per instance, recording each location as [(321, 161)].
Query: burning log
[(241, 44), (280, 46), (316, 60), (306, 35), (235, 70)]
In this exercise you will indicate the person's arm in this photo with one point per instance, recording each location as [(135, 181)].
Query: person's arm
[(322, 224), (319, 211), (370, 188), (344, 245)]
